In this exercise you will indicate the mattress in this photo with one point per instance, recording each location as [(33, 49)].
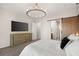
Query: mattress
[(43, 48)]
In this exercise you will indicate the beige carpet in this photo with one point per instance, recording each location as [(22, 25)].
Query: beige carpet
[(13, 51)]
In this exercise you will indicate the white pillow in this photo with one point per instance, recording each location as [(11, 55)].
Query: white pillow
[(73, 37)]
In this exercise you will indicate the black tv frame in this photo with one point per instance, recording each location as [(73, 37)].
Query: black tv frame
[(19, 26)]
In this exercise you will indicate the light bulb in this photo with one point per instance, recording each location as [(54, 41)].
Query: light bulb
[(77, 34)]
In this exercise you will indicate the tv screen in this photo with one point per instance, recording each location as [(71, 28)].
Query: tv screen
[(19, 26)]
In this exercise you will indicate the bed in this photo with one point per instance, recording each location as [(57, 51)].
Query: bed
[(72, 49), (43, 48)]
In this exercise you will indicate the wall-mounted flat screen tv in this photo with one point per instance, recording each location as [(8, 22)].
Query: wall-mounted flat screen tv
[(19, 26)]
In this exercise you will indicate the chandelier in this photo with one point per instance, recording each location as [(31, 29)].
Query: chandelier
[(36, 12)]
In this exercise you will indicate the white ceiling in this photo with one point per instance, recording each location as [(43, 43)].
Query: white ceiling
[(54, 10)]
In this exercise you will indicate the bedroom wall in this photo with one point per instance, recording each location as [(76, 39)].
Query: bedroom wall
[(70, 25), (5, 26), (39, 30), (45, 30), (36, 30)]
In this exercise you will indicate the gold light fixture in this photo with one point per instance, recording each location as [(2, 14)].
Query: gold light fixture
[(36, 12), (77, 34)]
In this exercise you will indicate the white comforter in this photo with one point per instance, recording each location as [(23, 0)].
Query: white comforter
[(72, 49), (43, 48)]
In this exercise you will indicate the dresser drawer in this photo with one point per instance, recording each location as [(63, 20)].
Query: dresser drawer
[(19, 38), (18, 42)]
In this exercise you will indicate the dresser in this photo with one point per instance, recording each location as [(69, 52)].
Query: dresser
[(19, 38)]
